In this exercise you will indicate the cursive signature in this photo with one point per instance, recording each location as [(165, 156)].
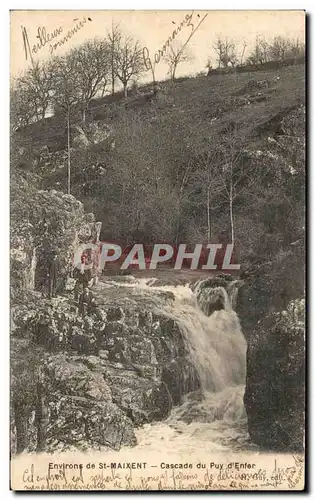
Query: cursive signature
[(43, 38), (185, 23), (69, 35)]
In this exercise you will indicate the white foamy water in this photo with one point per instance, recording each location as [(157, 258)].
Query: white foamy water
[(218, 424), (212, 419)]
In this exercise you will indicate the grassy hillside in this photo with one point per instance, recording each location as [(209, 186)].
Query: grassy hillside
[(217, 96), (154, 168), (206, 158)]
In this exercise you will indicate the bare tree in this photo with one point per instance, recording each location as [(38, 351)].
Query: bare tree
[(91, 64), (256, 56), (114, 38), (296, 48), (209, 179), (231, 53), (206, 176), (265, 48), (22, 110), (66, 97), (242, 52), (209, 66), (177, 54), (279, 48), (260, 52), (128, 61), (36, 86), (237, 176), (41, 413), (220, 51), (226, 52)]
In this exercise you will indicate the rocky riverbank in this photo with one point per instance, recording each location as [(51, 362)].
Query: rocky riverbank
[(271, 308), (101, 375), (87, 382)]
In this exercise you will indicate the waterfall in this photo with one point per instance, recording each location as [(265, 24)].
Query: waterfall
[(216, 344), (213, 418)]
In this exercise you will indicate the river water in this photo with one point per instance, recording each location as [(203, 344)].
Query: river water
[(212, 419)]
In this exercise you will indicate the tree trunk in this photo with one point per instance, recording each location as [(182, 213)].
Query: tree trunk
[(21, 424), (113, 80), (242, 56), (178, 214), (177, 231), (125, 91), (41, 419), (112, 65), (231, 213), (68, 146), (153, 76), (103, 90), (83, 114), (208, 215), (173, 72)]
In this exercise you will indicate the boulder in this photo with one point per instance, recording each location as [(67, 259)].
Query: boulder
[(74, 378), (85, 424), (270, 307), (216, 293), (79, 138), (116, 368), (269, 287), (275, 383), (55, 222), (181, 377)]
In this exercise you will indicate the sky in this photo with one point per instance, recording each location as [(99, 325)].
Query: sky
[(152, 29)]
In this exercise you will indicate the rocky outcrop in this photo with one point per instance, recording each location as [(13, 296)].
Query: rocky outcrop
[(103, 374), (275, 383), (42, 222), (23, 258), (216, 293), (80, 409), (92, 134), (270, 306), (269, 287)]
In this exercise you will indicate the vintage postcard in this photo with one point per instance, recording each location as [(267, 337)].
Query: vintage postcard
[(157, 250)]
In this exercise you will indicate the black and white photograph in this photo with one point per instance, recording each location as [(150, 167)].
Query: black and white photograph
[(157, 250)]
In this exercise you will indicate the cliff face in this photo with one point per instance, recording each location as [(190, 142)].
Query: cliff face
[(100, 375), (42, 222), (81, 382), (269, 287), (275, 393), (271, 309)]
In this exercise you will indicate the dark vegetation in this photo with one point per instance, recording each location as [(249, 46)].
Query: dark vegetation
[(202, 157), (182, 161)]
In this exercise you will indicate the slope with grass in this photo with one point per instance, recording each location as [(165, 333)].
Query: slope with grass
[(154, 168)]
